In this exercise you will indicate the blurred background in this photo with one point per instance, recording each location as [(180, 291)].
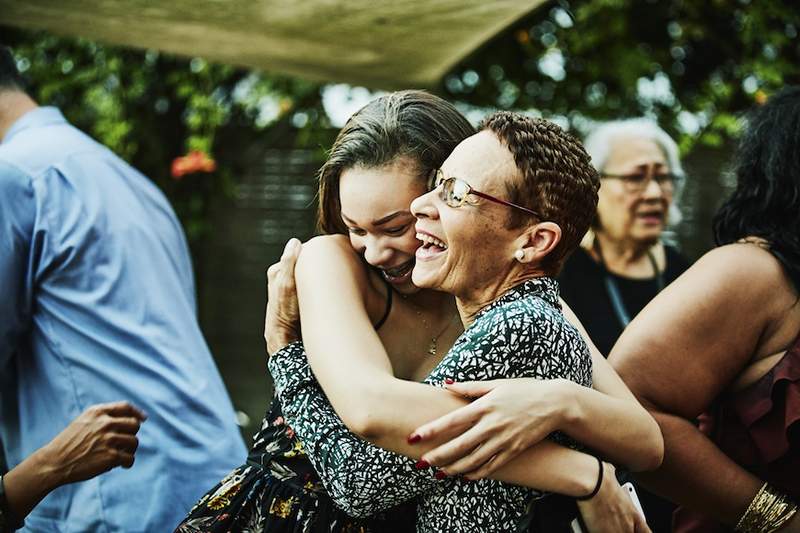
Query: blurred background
[(236, 149)]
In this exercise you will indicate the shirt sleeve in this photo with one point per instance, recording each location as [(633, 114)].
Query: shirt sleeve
[(362, 479), (17, 261)]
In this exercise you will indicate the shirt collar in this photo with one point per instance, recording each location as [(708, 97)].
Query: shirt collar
[(545, 288), (41, 116)]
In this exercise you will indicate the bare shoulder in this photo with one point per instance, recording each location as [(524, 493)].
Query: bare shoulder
[(328, 244), (330, 262), (330, 253), (748, 268)]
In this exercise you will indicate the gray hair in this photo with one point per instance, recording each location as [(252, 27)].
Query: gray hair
[(598, 145)]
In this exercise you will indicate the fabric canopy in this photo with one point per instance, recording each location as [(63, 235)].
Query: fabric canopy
[(375, 43)]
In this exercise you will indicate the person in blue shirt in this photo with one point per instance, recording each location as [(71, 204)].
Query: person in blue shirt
[(97, 306)]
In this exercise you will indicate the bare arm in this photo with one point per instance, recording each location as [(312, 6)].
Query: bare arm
[(352, 367), (689, 344), (511, 415), (101, 438), (517, 413), (609, 418)]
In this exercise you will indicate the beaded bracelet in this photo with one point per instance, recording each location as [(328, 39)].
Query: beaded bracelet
[(597, 485)]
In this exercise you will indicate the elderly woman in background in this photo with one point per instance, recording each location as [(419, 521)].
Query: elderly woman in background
[(622, 263), (724, 340)]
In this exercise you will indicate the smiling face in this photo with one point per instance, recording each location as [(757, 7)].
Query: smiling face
[(468, 249), (375, 208), (633, 216)]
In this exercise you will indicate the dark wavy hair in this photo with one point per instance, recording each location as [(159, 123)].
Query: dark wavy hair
[(412, 124), (766, 202)]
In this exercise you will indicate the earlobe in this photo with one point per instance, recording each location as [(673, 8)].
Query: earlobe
[(540, 241)]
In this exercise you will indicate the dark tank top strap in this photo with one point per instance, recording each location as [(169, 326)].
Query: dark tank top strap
[(388, 305)]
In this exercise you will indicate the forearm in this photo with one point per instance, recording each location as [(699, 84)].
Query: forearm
[(619, 429), (29, 482), (547, 466), (696, 474), (361, 478)]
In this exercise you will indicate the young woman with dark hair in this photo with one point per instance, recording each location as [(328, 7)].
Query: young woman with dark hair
[(722, 343)]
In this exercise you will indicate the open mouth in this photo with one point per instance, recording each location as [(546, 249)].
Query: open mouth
[(653, 216), (431, 246), (400, 273)]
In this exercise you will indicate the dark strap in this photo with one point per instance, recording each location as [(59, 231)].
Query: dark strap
[(388, 305), (613, 289)]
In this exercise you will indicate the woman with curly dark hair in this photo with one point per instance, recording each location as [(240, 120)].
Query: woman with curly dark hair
[(722, 343)]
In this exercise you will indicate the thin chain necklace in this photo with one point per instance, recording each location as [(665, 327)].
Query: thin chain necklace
[(434, 344)]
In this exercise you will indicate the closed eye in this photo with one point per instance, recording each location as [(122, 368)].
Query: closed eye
[(399, 230)]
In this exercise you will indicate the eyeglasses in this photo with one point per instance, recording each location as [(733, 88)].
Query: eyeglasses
[(454, 192), (639, 182)]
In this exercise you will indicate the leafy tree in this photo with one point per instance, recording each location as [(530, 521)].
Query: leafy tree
[(693, 66), (152, 108)]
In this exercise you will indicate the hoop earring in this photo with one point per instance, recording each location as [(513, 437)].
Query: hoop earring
[(519, 255)]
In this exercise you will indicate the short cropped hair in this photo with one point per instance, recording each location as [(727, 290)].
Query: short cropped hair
[(556, 179)]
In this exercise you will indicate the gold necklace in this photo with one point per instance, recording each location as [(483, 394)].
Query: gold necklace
[(434, 344)]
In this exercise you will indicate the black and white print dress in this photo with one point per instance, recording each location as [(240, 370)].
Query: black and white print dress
[(521, 334)]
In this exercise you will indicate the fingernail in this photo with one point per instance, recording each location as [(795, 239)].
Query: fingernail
[(449, 381), (422, 464), (413, 438), (440, 475)]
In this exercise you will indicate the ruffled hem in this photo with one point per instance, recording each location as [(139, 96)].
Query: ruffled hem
[(252, 499), (770, 408)]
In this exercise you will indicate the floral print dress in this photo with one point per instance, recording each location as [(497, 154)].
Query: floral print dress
[(278, 491)]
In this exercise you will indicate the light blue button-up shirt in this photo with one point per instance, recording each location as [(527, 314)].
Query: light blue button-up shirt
[(97, 305)]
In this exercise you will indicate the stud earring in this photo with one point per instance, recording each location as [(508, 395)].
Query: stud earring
[(519, 255)]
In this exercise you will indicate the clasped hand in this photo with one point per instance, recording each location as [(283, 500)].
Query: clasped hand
[(282, 318)]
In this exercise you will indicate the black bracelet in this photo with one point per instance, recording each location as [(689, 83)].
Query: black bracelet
[(597, 485), (8, 521)]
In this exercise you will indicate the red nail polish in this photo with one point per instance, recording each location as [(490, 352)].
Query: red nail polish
[(440, 475), (422, 464), (413, 438), (449, 381)]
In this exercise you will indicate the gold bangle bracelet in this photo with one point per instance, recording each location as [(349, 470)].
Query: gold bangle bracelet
[(768, 511)]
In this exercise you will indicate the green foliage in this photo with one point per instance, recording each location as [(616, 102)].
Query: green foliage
[(151, 108), (693, 66)]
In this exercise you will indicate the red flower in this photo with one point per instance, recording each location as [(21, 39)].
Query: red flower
[(194, 161)]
